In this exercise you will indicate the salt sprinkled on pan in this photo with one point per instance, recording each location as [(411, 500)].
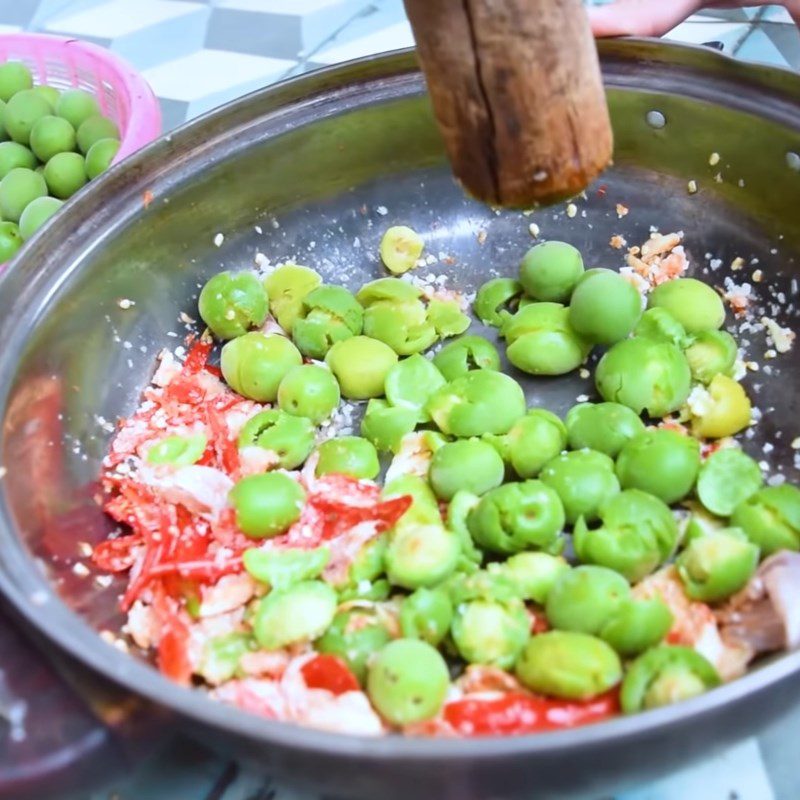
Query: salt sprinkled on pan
[(382, 211), (534, 230), (219, 239)]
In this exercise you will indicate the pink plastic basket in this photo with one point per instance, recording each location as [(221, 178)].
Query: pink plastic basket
[(63, 63)]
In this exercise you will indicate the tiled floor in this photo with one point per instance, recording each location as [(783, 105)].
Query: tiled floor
[(200, 53)]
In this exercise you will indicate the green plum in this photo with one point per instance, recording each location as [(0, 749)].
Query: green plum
[(470, 465), (771, 518), (231, 303), (495, 298), (482, 401), (489, 632), (604, 307), (550, 271), (93, 129), (19, 188), (711, 353), (605, 427), (361, 365), (717, 565), (255, 364), (287, 286), (36, 213), (638, 533), (51, 135), (644, 375), (541, 340), (664, 675), (568, 664), (467, 353), (65, 174), (727, 478), (348, 455), (691, 302), (309, 391), (585, 598), (76, 106), (584, 480), (519, 516), (100, 156), (662, 462)]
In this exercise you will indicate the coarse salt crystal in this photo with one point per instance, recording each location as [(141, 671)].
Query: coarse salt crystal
[(622, 210), (782, 337), (80, 569), (692, 187), (699, 401), (482, 237), (219, 239), (713, 159), (382, 210), (125, 303), (584, 373), (572, 210), (758, 276), (582, 398), (534, 230), (737, 264)]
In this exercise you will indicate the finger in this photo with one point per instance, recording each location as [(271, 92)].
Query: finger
[(641, 17)]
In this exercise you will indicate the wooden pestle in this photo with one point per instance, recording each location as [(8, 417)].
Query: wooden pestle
[(517, 92)]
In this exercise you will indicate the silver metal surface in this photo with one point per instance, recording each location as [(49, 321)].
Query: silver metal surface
[(313, 162)]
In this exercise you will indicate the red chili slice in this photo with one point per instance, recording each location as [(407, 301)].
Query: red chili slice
[(116, 555), (197, 357), (515, 713), (329, 672)]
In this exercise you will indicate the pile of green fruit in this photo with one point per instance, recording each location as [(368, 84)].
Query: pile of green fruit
[(51, 144)]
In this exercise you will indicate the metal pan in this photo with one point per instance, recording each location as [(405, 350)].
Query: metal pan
[(322, 164)]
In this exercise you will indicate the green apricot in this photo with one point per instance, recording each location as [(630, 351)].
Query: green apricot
[(482, 401), (470, 465), (662, 462), (568, 664), (691, 302), (644, 375), (348, 455), (550, 271), (605, 427), (287, 286), (467, 353), (489, 632), (361, 365), (584, 480), (604, 307), (637, 534)]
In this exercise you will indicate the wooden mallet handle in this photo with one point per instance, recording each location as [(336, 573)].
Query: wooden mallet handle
[(517, 92)]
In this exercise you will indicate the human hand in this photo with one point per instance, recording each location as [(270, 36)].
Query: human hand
[(656, 17)]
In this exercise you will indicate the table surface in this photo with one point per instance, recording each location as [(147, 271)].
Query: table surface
[(198, 54)]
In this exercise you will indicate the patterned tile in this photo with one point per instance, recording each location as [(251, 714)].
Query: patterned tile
[(159, 31), (198, 82)]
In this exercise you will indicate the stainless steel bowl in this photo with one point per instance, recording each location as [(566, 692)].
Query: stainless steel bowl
[(313, 162)]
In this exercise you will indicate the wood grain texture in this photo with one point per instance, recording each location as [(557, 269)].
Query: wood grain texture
[(517, 92)]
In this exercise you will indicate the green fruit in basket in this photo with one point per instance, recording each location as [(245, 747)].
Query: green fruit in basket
[(65, 173), (10, 241), (19, 188), (94, 129), (49, 93), (14, 155), (36, 213), (22, 112), (4, 137), (100, 156), (14, 77), (76, 106), (50, 136)]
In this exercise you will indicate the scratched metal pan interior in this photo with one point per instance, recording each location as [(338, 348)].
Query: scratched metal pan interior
[(315, 169)]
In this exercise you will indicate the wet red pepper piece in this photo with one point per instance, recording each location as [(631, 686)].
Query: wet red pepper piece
[(329, 672), (516, 713)]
